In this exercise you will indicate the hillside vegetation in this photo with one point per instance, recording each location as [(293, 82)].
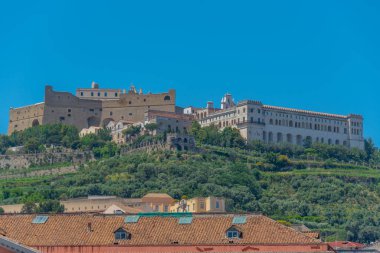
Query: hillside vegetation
[(328, 188)]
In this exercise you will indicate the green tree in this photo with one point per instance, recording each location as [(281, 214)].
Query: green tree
[(90, 141), (110, 149), (369, 148), (132, 130), (29, 207), (230, 137), (32, 145), (151, 127), (104, 134), (50, 206)]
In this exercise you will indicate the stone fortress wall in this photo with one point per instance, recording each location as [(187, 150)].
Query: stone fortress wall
[(24, 117), (85, 111)]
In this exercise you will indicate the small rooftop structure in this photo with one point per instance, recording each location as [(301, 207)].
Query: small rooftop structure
[(346, 245)]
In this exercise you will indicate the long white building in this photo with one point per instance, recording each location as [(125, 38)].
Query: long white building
[(272, 124)]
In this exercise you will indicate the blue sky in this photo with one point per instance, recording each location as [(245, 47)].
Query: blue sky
[(316, 55)]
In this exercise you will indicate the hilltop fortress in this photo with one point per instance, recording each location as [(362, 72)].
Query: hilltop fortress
[(89, 107), (95, 107)]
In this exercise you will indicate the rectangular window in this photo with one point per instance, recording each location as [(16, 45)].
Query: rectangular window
[(98, 94), (217, 205), (232, 234), (92, 94), (120, 236), (105, 94), (81, 93), (115, 94)]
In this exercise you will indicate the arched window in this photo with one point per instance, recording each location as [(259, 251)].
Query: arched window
[(289, 138), (279, 137), (271, 121), (270, 137), (166, 98), (35, 123), (299, 140)]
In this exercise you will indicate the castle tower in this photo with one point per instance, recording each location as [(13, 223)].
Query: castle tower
[(227, 102)]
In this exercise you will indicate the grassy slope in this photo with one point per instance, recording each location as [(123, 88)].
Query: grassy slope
[(329, 200)]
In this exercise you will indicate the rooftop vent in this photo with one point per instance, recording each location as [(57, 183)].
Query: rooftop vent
[(132, 219), (239, 220), (40, 219), (185, 220)]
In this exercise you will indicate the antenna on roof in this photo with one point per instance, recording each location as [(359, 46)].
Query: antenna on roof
[(182, 205)]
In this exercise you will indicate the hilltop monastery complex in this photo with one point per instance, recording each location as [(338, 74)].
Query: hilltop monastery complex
[(117, 109)]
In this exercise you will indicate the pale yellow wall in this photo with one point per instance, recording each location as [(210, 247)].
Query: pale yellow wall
[(202, 205), (12, 208)]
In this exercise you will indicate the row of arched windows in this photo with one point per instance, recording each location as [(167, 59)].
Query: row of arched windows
[(270, 137), (306, 125)]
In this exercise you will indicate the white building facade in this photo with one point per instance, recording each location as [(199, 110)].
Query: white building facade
[(272, 124)]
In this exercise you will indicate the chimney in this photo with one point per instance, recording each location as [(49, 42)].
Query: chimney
[(89, 227), (210, 105), (94, 85)]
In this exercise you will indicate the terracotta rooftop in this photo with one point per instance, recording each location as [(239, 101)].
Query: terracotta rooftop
[(312, 113), (346, 245), (157, 195), (98, 230), (172, 115), (315, 235)]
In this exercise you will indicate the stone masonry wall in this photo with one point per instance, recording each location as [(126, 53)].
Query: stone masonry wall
[(9, 162)]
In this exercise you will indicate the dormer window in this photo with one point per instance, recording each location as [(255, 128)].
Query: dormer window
[(234, 233), (121, 234)]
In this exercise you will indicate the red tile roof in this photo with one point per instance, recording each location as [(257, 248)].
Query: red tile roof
[(97, 230), (12, 246), (171, 115), (346, 245), (315, 235)]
